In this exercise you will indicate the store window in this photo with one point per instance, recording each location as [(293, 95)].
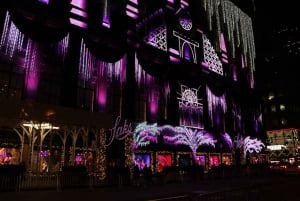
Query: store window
[(282, 107)]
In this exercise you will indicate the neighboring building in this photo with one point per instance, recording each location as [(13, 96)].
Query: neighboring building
[(157, 83), (277, 79)]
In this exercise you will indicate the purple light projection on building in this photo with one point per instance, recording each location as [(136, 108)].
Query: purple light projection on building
[(32, 74), (62, 47), (216, 107), (100, 73), (153, 96), (132, 9), (237, 115), (187, 52), (78, 7), (106, 16), (224, 54), (227, 139), (13, 40), (44, 1), (234, 74), (242, 60), (101, 93)]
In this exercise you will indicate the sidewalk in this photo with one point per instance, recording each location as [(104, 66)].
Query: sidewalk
[(152, 192)]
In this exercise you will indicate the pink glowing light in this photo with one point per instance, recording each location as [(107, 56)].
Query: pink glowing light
[(153, 101), (32, 59), (243, 61), (79, 9), (101, 93), (223, 44)]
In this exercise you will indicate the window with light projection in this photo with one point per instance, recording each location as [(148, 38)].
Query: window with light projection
[(184, 160), (142, 160), (214, 160), (163, 160), (200, 160), (190, 108)]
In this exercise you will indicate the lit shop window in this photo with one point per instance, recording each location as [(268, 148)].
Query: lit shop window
[(273, 108), (283, 121), (271, 96), (282, 107)]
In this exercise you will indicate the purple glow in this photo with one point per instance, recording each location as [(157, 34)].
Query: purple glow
[(223, 45), (153, 101), (106, 16), (78, 23), (31, 82), (101, 93), (174, 51), (106, 23), (187, 52), (184, 3), (44, 1), (251, 82), (134, 1), (234, 72), (204, 64), (186, 23), (243, 61), (78, 7), (132, 15), (62, 47), (44, 154), (142, 160), (32, 70), (226, 137), (132, 9), (216, 106), (142, 78), (174, 59), (199, 30)]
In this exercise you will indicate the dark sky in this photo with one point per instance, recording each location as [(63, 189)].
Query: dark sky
[(277, 37)]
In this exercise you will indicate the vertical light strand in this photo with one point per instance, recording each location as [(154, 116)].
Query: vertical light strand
[(106, 15), (32, 71), (239, 29), (5, 29)]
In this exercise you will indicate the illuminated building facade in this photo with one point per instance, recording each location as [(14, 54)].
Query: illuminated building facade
[(279, 53), (153, 83)]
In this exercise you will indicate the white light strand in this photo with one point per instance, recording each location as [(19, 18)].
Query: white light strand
[(239, 29)]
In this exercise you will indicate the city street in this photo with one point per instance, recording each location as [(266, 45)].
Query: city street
[(283, 188)]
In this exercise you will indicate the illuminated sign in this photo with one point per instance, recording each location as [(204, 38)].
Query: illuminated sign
[(276, 147), (119, 132)]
